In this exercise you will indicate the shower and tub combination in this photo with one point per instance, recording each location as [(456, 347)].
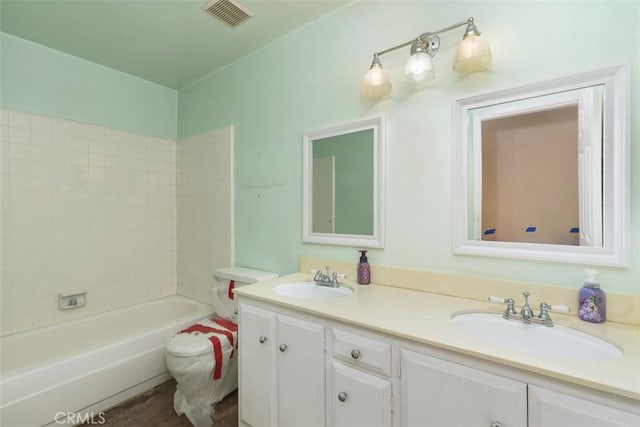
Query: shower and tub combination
[(86, 366)]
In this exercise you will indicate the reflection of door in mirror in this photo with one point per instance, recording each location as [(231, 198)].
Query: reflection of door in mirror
[(323, 194), (343, 184), (351, 197), (530, 177)]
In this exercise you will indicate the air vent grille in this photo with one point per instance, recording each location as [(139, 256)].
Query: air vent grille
[(228, 11)]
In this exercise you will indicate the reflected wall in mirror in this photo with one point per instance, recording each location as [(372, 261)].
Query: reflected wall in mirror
[(343, 184), (542, 172)]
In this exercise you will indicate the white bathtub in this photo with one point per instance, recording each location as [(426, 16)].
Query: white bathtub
[(89, 365)]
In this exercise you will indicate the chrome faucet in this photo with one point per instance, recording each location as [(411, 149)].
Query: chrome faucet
[(526, 314), (322, 279), (526, 311)]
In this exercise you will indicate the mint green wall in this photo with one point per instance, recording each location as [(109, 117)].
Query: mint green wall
[(353, 179), (37, 79), (311, 79)]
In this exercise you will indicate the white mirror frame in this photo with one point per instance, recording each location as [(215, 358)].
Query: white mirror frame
[(377, 239), (615, 176)]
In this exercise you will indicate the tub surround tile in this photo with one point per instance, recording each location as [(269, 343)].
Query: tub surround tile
[(83, 206), (204, 191)]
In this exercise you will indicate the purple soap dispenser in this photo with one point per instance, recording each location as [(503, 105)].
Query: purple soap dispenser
[(592, 304), (364, 271)]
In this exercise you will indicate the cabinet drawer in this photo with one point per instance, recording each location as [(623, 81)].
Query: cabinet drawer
[(364, 352), (359, 399)]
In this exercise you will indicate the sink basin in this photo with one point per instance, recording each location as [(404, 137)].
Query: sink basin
[(311, 291), (557, 341)]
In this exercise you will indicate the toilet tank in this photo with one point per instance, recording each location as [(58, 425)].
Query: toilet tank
[(225, 279)]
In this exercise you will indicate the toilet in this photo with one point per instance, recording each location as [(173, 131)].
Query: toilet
[(203, 357)]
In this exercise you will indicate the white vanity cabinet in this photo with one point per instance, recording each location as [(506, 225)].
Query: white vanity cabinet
[(550, 408), (304, 370), (439, 393), (360, 392), (282, 374)]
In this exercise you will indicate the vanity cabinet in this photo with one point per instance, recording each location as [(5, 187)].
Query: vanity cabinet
[(439, 393), (360, 392), (282, 375), (302, 370), (550, 408)]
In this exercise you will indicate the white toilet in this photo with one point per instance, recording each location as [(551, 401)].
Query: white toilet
[(203, 357)]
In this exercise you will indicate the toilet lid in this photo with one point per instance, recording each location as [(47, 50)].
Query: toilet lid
[(188, 345)]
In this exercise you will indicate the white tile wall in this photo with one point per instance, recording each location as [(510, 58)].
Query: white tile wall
[(205, 210), (82, 206)]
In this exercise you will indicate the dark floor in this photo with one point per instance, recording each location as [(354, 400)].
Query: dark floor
[(154, 408)]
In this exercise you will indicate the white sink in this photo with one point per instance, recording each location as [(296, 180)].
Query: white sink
[(311, 291), (557, 341)]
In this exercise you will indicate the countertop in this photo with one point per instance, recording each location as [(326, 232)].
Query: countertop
[(425, 317)]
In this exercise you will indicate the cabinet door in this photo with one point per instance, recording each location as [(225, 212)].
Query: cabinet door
[(257, 376), (549, 408), (438, 393), (300, 373), (359, 399)]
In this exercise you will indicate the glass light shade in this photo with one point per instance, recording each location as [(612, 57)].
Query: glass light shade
[(418, 71), (376, 83), (473, 55)]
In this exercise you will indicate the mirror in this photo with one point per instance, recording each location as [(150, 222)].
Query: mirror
[(542, 171), (343, 184)]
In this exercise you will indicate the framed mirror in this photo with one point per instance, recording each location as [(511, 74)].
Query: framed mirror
[(542, 171), (343, 184)]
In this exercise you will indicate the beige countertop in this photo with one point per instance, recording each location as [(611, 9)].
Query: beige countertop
[(425, 318)]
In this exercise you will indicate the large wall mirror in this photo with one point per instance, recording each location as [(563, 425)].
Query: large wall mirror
[(542, 171), (344, 184)]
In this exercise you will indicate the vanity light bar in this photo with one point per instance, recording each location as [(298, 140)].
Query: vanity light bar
[(473, 55)]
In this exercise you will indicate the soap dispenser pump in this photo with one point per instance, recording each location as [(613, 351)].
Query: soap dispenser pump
[(364, 271)]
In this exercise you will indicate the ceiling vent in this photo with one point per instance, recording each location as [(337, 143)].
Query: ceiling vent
[(228, 11)]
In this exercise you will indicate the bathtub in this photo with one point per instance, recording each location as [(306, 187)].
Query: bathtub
[(86, 366)]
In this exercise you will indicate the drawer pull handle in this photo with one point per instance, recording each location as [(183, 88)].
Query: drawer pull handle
[(262, 339), (342, 396), (496, 424), (355, 354), (283, 347)]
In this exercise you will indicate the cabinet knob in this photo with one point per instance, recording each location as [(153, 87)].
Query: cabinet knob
[(283, 347), (496, 424), (262, 339), (342, 396), (355, 354)]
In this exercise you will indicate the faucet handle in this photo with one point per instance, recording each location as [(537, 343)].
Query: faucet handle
[(555, 308), (560, 308), (497, 300), (510, 305)]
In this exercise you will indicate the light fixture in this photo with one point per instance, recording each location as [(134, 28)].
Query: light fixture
[(418, 71), (473, 52), (377, 83), (472, 55)]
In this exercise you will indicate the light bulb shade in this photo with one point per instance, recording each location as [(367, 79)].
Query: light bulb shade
[(418, 71), (473, 54), (376, 83)]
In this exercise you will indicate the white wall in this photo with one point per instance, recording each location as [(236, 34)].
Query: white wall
[(205, 210), (82, 206)]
